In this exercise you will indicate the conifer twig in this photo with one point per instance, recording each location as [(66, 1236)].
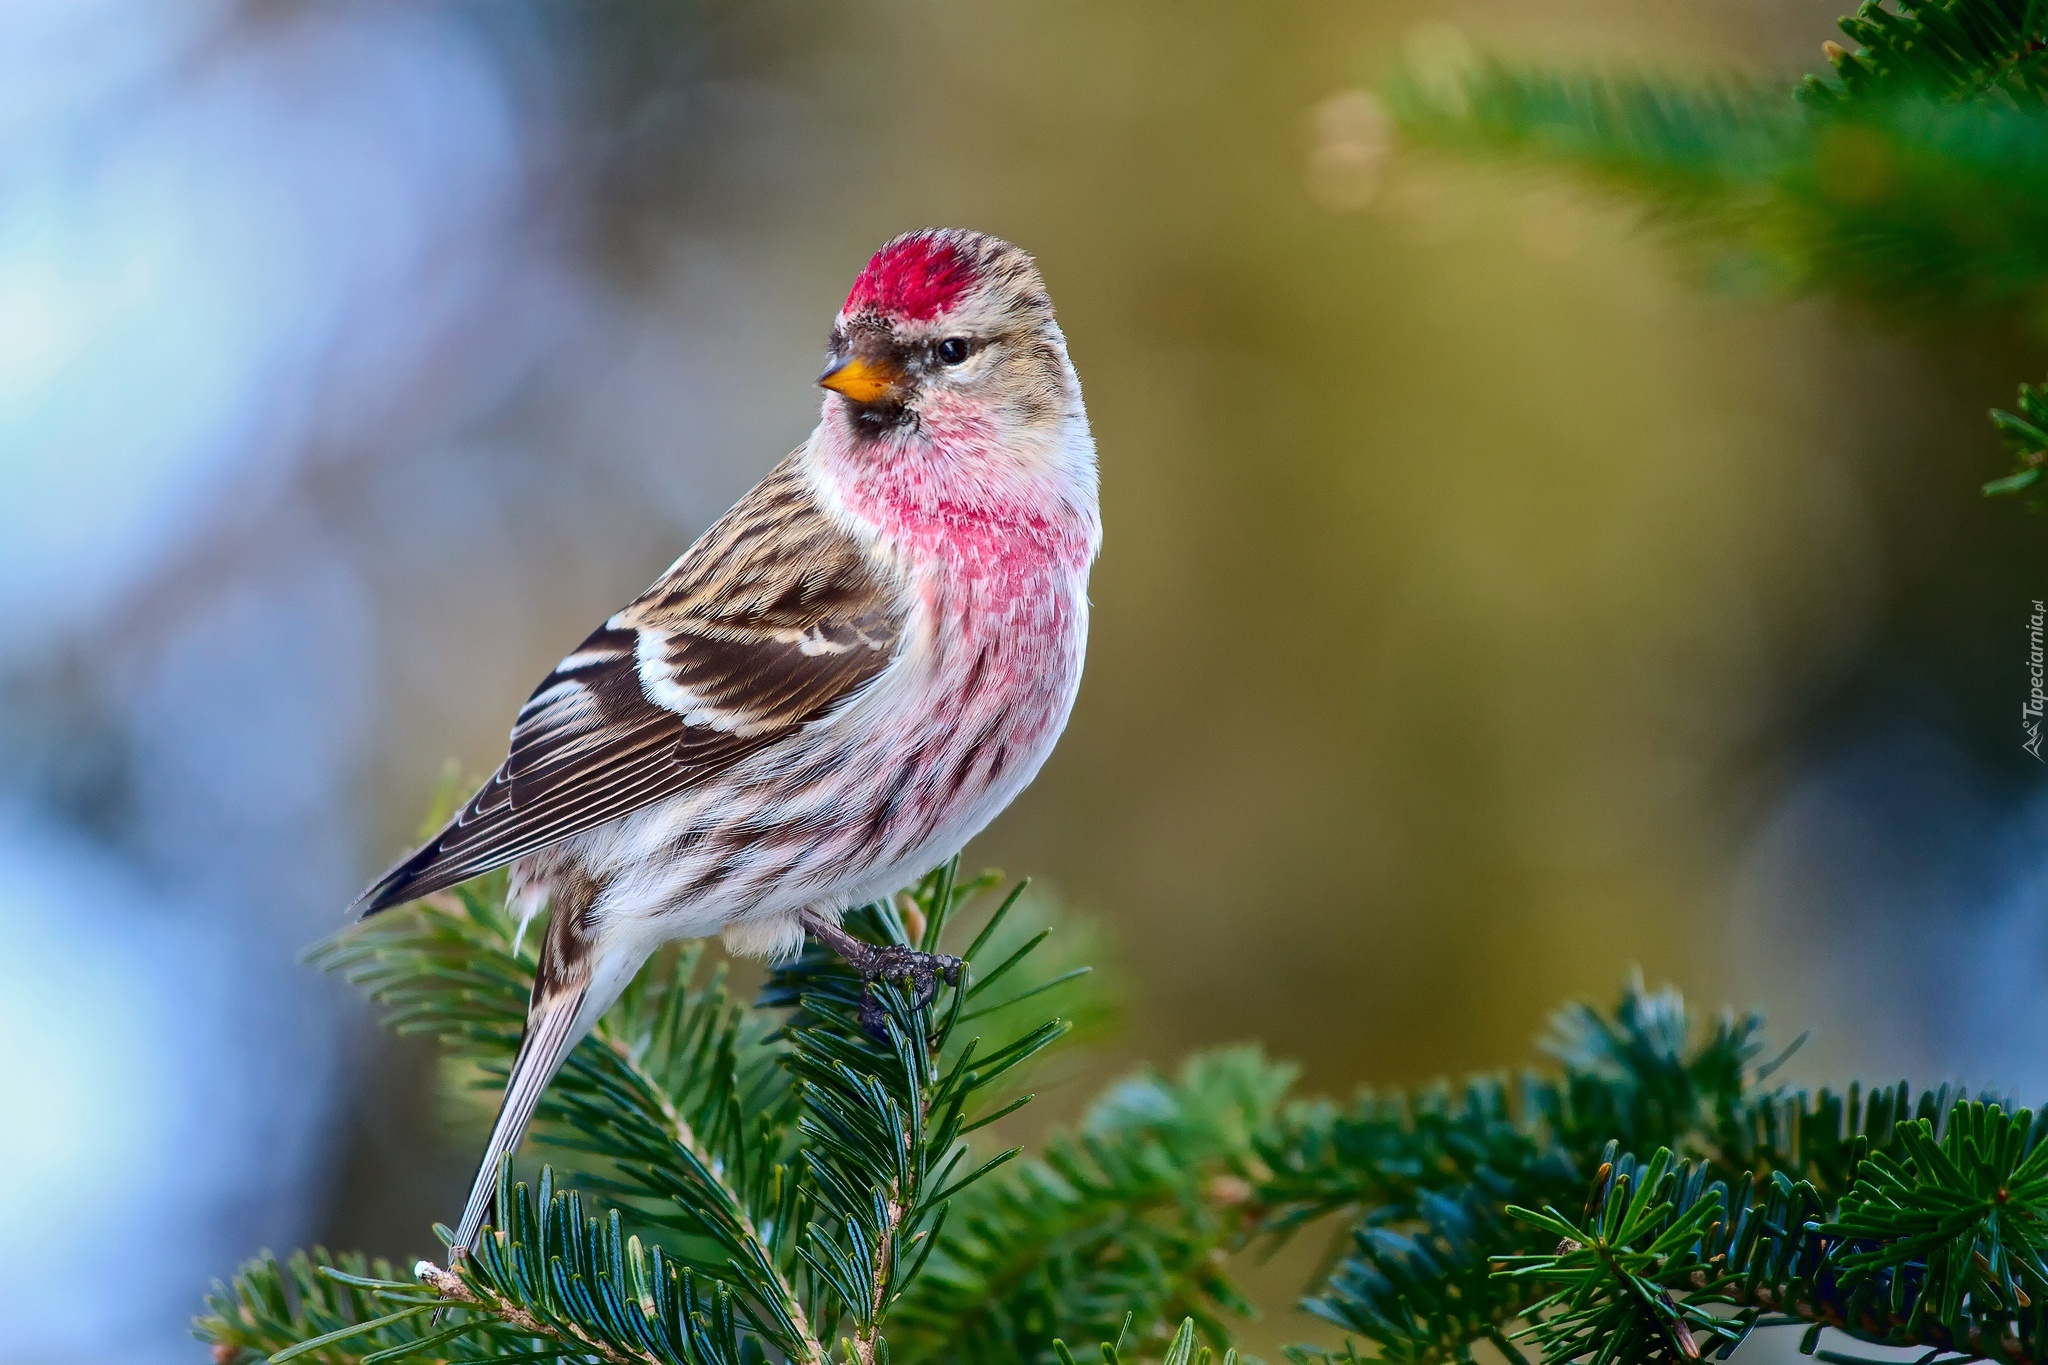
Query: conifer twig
[(454, 1289), (810, 1350)]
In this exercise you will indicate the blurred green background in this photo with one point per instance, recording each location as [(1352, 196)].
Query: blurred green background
[(1487, 607)]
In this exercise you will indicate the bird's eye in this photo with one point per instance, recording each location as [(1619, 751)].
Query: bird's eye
[(953, 350)]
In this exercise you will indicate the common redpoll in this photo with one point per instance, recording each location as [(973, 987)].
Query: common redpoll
[(845, 678)]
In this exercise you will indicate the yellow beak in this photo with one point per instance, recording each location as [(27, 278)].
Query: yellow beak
[(862, 381)]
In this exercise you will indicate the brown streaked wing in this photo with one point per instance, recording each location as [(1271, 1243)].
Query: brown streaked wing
[(769, 621)]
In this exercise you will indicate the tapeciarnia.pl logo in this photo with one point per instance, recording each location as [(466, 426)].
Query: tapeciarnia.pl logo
[(2037, 700)]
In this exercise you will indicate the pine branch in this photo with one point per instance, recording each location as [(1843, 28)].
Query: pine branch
[(270, 1308), (1912, 180), (883, 1146), (1427, 1179), (1920, 210), (1182, 1349), (660, 1091), (1955, 50), (1902, 1218), (585, 1288), (453, 1289), (2026, 440), (1426, 1294), (769, 1176), (1132, 1214), (1938, 1244)]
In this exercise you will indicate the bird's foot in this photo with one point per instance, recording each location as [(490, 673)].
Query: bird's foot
[(920, 972)]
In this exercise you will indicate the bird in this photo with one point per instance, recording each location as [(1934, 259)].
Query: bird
[(843, 680)]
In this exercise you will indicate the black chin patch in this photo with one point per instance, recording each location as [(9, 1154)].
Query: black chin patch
[(879, 419)]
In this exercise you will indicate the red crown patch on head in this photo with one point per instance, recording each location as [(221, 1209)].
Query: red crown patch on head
[(916, 278)]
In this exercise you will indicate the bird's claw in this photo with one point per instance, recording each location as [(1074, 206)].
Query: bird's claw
[(920, 971)]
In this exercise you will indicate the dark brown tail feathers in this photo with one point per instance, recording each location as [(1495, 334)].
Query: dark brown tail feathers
[(556, 1021)]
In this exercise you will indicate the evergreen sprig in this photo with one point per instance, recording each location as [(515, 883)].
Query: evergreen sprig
[(2026, 440), (584, 1289), (1912, 178), (1898, 1218), (679, 1091), (1131, 1215), (1427, 1180), (1611, 1302), (1954, 50), (1937, 1245), (1183, 1349), (770, 1180), (333, 1309)]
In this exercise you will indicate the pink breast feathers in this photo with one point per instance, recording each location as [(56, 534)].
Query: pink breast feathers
[(917, 278)]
